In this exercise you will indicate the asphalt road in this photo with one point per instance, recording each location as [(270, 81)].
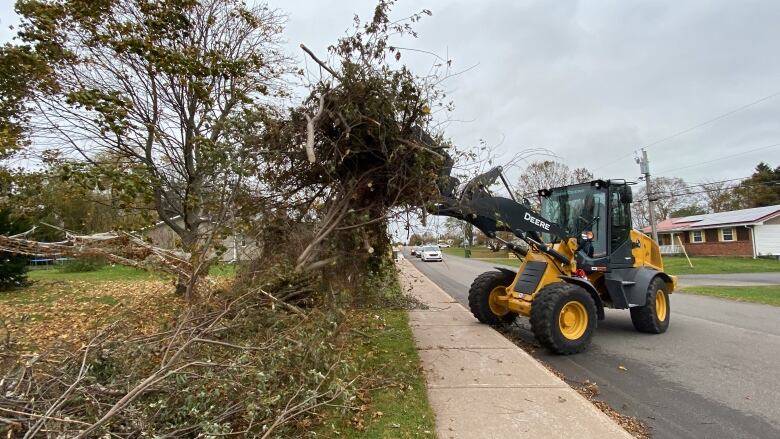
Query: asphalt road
[(714, 374)]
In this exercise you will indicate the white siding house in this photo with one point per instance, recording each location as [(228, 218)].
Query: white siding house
[(236, 247), (768, 237)]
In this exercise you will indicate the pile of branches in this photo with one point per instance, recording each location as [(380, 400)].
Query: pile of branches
[(237, 367), (358, 151)]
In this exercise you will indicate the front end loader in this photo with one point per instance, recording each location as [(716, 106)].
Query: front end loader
[(582, 256)]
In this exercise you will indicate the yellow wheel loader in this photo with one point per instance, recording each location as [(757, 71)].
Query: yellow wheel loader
[(581, 257)]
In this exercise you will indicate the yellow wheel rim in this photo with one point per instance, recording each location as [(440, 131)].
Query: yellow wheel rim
[(573, 320), (498, 307), (660, 305)]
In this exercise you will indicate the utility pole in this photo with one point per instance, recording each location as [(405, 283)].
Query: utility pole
[(644, 168)]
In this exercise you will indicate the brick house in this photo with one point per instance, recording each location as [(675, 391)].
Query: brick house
[(747, 232)]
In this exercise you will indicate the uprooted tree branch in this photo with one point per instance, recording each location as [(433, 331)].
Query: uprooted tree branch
[(359, 151)]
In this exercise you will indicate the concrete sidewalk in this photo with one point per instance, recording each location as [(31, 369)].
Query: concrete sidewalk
[(480, 385)]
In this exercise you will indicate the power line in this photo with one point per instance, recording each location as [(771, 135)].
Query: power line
[(703, 191), (719, 181), (692, 185), (694, 127), (714, 119), (774, 145)]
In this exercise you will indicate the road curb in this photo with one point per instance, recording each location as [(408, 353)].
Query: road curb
[(481, 385)]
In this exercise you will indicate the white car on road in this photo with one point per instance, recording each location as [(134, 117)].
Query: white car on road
[(430, 253)]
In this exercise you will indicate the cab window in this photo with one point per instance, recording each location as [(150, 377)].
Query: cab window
[(620, 221)]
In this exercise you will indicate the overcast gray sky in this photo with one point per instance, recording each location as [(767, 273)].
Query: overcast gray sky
[(591, 80)]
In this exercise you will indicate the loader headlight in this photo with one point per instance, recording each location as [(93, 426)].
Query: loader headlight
[(587, 236)]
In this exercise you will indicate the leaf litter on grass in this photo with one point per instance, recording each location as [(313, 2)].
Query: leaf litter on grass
[(47, 312)]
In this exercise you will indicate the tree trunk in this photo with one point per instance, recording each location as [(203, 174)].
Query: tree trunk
[(182, 286), (185, 285)]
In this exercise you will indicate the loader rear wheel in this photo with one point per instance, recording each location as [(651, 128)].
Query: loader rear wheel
[(653, 318), (563, 318), (483, 294)]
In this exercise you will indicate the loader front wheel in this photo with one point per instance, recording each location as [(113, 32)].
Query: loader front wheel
[(484, 294), (563, 318), (653, 318)]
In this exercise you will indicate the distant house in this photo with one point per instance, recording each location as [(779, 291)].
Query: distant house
[(235, 247), (747, 232)]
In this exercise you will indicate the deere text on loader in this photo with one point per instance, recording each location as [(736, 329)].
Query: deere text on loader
[(582, 256)]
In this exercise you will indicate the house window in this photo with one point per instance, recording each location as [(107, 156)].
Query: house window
[(727, 234), (697, 236)]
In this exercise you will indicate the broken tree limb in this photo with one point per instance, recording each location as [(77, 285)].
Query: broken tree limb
[(319, 61), (310, 124), (104, 245)]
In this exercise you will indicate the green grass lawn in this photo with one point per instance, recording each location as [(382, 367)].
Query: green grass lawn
[(476, 252), (394, 403), (107, 273), (223, 270), (769, 295), (719, 264), (511, 262)]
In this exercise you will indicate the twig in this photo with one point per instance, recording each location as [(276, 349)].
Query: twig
[(420, 147), (138, 391), (35, 415), (61, 400), (289, 306), (229, 345), (356, 331)]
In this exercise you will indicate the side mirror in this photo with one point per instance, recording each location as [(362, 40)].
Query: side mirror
[(626, 196)]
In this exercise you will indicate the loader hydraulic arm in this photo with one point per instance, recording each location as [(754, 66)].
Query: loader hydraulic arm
[(491, 214)]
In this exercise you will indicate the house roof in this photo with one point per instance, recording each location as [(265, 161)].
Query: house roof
[(743, 217)]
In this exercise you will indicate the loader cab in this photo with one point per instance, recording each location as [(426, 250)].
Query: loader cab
[(598, 213)]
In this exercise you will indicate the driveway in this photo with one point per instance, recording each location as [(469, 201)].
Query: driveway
[(713, 374)]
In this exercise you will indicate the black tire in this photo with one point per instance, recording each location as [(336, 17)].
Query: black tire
[(646, 318), (479, 297), (546, 322)]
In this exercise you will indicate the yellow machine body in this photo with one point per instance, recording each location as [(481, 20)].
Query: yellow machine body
[(646, 255)]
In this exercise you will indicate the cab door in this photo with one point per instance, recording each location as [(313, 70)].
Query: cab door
[(619, 224)]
